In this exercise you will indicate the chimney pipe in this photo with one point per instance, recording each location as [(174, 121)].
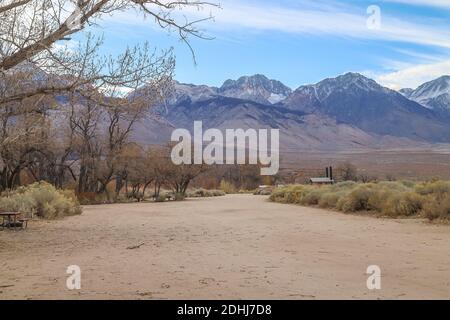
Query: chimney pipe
[(327, 172)]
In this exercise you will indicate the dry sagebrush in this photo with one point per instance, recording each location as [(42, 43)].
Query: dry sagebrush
[(393, 199), (41, 199)]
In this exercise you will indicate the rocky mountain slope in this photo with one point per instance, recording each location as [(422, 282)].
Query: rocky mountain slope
[(350, 111), (257, 88), (361, 102), (434, 95), (342, 113)]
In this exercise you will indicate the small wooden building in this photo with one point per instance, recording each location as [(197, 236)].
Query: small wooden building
[(328, 179), (321, 181)]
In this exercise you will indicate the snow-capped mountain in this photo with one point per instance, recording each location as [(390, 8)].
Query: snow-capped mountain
[(315, 97), (406, 92), (195, 93), (362, 102), (298, 131), (349, 111), (257, 88), (434, 95)]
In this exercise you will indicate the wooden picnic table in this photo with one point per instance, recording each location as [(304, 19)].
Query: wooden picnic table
[(11, 217)]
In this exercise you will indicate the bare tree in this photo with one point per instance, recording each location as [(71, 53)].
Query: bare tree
[(179, 177), (347, 172), (39, 75), (22, 138), (30, 28), (31, 32), (138, 171)]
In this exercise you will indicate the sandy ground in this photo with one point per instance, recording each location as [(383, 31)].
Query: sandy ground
[(225, 248)]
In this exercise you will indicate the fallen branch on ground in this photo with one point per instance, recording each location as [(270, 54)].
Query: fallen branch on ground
[(136, 247)]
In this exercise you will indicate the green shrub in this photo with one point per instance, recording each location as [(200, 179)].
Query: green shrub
[(408, 183), (218, 193), (378, 197), (344, 185), (278, 195), (403, 204), (295, 194), (356, 200), (393, 186), (199, 193), (245, 191), (179, 197), (41, 199), (161, 198), (309, 197), (436, 188), (69, 194), (203, 193), (330, 199), (437, 209), (394, 199)]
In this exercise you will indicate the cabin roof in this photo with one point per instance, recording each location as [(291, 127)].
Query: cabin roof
[(322, 180)]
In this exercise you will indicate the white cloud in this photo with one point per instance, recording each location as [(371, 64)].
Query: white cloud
[(422, 57), (311, 17), (414, 76), (430, 3), (332, 19)]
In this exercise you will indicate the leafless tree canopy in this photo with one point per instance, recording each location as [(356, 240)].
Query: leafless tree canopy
[(33, 32), (68, 111), (29, 28)]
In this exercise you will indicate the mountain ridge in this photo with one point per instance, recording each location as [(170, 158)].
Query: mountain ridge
[(359, 101), (434, 95), (359, 112)]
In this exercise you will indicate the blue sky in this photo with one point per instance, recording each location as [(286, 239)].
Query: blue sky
[(301, 42)]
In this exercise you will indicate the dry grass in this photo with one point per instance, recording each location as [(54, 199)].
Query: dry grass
[(392, 199), (228, 187), (92, 198)]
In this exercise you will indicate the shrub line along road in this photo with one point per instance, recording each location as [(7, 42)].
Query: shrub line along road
[(237, 246)]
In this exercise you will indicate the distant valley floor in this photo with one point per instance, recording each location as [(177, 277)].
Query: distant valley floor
[(412, 163)]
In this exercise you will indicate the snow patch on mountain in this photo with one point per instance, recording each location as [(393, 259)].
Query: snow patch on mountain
[(257, 88), (434, 95)]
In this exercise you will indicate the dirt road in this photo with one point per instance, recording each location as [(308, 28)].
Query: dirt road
[(224, 248)]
